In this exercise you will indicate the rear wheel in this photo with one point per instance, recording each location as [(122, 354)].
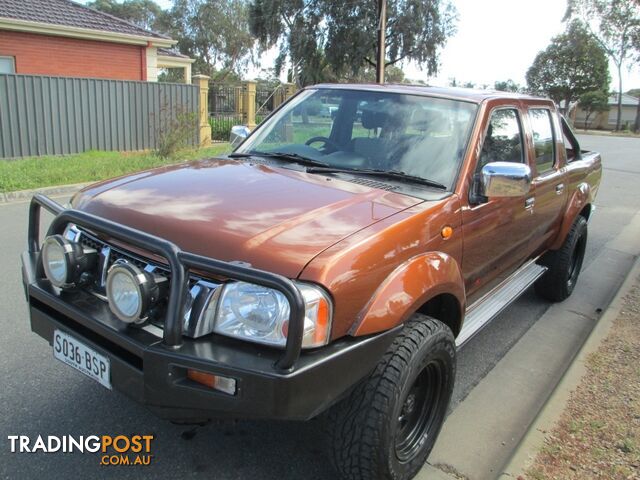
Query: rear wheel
[(388, 425), (564, 264)]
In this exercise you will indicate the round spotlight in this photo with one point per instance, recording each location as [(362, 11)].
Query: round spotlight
[(64, 262), (131, 292)]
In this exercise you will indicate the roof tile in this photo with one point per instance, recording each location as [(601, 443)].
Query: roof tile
[(69, 14)]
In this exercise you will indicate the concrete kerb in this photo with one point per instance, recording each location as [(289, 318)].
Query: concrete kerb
[(25, 195), (533, 440)]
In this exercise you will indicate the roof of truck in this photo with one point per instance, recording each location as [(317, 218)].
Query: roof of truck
[(457, 93)]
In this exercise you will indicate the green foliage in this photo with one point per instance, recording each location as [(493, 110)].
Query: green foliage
[(175, 129), (221, 126), (143, 13), (616, 27), (574, 63), (507, 86), (634, 92), (215, 33), (333, 39), (593, 102), (38, 172)]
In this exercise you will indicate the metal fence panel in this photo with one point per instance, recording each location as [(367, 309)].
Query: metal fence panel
[(42, 115)]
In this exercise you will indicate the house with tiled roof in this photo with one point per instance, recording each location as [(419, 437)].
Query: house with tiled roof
[(64, 38)]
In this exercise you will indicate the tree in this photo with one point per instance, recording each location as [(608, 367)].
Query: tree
[(593, 102), (213, 32), (143, 13), (334, 37), (507, 86), (574, 63), (615, 24)]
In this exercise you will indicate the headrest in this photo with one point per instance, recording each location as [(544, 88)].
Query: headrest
[(373, 118)]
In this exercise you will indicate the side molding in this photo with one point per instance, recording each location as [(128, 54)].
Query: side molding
[(580, 197), (408, 287)]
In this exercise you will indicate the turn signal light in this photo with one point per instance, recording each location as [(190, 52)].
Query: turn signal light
[(216, 382)]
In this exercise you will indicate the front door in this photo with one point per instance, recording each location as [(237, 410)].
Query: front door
[(497, 231)]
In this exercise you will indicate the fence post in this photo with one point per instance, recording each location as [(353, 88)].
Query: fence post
[(289, 90), (239, 96), (249, 104), (204, 130)]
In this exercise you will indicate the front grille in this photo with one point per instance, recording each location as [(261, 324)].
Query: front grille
[(116, 254), (109, 255)]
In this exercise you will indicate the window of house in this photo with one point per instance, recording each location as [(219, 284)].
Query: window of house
[(543, 141), (503, 142), (7, 65)]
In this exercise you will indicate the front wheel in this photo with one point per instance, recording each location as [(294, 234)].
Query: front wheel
[(386, 428)]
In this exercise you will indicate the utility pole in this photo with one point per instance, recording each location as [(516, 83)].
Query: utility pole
[(382, 29)]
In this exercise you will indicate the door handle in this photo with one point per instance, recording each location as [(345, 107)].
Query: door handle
[(529, 202), (559, 188)]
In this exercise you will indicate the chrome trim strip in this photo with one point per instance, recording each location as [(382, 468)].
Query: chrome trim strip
[(485, 309)]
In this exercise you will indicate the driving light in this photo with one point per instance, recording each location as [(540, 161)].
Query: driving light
[(260, 314), (131, 292), (64, 262)]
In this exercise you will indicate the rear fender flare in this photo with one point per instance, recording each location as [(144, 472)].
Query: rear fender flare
[(407, 288), (580, 197)]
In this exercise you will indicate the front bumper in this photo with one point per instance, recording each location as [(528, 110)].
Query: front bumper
[(153, 372)]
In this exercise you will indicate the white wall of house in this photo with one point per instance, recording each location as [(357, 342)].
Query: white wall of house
[(152, 64)]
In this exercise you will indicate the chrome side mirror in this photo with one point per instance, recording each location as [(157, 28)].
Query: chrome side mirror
[(238, 135), (505, 179)]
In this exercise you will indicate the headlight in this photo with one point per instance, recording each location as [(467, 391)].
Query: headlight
[(131, 292), (64, 262), (260, 314)]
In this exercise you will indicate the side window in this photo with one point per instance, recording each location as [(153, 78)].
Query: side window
[(570, 142), (7, 65), (543, 141), (503, 142)]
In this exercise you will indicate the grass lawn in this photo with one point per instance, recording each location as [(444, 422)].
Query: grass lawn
[(36, 172), (598, 434)]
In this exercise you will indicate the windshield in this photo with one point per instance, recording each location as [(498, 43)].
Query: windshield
[(421, 136)]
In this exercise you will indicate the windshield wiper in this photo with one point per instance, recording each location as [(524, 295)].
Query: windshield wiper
[(380, 173), (292, 157)]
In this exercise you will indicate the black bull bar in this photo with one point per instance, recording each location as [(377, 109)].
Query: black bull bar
[(180, 263)]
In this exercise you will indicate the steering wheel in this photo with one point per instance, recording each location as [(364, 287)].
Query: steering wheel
[(328, 142)]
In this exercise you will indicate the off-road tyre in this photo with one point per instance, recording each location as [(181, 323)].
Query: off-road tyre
[(366, 429), (563, 264)]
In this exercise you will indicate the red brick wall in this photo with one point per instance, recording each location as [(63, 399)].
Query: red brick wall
[(71, 57)]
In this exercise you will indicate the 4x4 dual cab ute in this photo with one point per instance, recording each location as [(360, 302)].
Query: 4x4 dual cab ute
[(329, 264)]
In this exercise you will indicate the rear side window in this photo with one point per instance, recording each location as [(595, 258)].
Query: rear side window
[(543, 138), (503, 142)]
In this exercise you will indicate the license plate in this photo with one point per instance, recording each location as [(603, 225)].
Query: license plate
[(76, 354)]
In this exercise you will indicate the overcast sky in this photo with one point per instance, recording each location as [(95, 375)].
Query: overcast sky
[(496, 40)]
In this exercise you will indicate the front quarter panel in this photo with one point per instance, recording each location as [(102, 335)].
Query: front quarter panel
[(413, 283), (379, 276)]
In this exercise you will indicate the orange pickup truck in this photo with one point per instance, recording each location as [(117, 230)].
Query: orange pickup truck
[(329, 265)]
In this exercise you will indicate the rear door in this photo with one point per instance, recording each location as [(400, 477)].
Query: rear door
[(549, 182)]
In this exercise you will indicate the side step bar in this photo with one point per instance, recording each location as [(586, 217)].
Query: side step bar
[(490, 305)]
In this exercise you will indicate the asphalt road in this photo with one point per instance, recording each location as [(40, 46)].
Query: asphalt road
[(41, 396)]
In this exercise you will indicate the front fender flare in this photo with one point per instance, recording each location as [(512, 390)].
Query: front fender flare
[(407, 288)]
